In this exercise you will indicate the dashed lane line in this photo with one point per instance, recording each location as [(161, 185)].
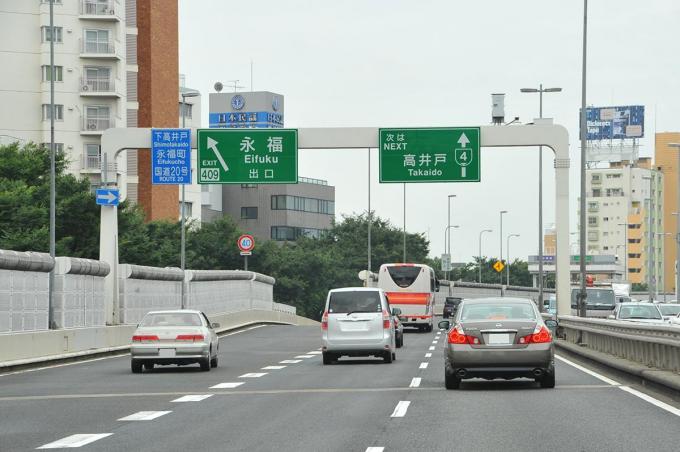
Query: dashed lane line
[(401, 408), (273, 367), (253, 375), (144, 416), (415, 382), (428, 355), (432, 348), (78, 440), (192, 398), (304, 356), (227, 385), (290, 361), (314, 352), (375, 449), (423, 365)]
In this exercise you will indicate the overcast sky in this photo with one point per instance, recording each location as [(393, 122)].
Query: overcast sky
[(396, 63)]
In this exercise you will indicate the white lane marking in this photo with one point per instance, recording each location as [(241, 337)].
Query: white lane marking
[(652, 400), (423, 365), (647, 398), (144, 416), (428, 355), (273, 367), (431, 348), (192, 398), (77, 440), (400, 409), (254, 375), (230, 385), (415, 382), (290, 361), (313, 352), (375, 449), (434, 342), (304, 356), (588, 371)]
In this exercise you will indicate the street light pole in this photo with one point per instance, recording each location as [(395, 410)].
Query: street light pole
[(501, 244), (663, 265), (507, 249), (540, 92), (369, 217), (448, 249), (53, 177), (582, 205), (479, 263), (677, 228), (625, 250), (649, 239), (182, 260)]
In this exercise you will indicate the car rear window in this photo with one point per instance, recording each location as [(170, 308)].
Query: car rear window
[(403, 276), (355, 301), (639, 312), (669, 310), (497, 311), (171, 319)]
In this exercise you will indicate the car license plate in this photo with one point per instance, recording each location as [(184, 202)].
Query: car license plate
[(166, 353), (499, 339)]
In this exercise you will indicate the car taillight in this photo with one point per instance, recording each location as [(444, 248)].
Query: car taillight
[(140, 338), (387, 321), (324, 321), (190, 337), (541, 335)]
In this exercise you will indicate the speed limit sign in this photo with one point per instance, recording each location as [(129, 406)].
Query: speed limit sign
[(246, 243)]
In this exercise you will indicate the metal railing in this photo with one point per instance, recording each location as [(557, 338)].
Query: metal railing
[(97, 8), (96, 124), (97, 85), (309, 180), (94, 163), (97, 47)]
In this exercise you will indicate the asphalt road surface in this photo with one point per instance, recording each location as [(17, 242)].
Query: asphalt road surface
[(301, 405)]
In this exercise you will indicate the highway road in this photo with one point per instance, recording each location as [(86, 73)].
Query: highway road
[(275, 395)]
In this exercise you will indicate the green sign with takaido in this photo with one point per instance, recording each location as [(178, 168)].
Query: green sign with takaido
[(442, 154), (247, 156)]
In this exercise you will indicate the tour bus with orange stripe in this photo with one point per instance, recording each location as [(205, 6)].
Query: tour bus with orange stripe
[(411, 288)]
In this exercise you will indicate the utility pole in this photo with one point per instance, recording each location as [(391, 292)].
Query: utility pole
[(53, 177), (582, 221)]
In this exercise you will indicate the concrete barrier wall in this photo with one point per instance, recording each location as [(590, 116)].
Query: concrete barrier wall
[(477, 290), (79, 292), (143, 289), (218, 291), (24, 293)]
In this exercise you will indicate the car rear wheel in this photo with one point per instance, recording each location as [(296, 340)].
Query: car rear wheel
[(400, 340), (451, 381), (548, 380), (388, 356), (205, 364), (328, 358), (136, 366), (213, 362), (148, 365)]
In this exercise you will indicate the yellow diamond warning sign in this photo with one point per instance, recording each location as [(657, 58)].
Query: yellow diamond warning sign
[(498, 266)]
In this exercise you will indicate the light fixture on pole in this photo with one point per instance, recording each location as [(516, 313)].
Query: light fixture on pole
[(677, 227), (182, 259), (507, 249), (540, 92), (479, 263), (448, 237)]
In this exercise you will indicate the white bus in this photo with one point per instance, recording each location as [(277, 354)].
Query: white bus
[(411, 288)]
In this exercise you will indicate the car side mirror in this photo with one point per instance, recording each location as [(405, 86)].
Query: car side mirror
[(444, 324), (215, 325), (396, 311), (550, 323), (611, 317)]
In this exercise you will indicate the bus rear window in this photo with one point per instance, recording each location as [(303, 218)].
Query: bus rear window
[(403, 276), (354, 301)]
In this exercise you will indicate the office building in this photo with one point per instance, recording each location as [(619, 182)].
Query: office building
[(666, 158)]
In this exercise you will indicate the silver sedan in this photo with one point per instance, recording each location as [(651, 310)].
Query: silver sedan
[(499, 338), (174, 337)]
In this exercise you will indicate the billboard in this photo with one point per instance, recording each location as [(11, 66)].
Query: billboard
[(608, 123), (256, 109)]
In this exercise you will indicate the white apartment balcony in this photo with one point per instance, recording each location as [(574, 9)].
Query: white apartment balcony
[(103, 50), (98, 87), (92, 164), (96, 126), (98, 10)]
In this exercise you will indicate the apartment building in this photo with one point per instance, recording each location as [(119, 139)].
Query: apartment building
[(624, 216), (666, 158)]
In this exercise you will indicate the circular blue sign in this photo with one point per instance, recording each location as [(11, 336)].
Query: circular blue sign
[(275, 103), (238, 102)]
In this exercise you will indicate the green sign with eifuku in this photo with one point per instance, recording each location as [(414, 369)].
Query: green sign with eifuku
[(444, 154), (247, 156)]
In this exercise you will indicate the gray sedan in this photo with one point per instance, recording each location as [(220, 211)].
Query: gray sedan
[(499, 338), (174, 337)]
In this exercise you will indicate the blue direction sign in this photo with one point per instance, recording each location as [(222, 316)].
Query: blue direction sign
[(108, 196), (171, 156)]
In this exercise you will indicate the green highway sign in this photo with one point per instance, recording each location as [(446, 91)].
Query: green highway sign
[(247, 156), (443, 154)]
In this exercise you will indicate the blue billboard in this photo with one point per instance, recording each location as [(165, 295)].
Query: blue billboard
[(170, 156), (608, 123), (259, 119)]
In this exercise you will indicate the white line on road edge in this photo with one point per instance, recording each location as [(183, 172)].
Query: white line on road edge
[(254, 375), (415, 382), (77, 440), (375, 449), (273, 367), (400, 409), (428, 355), (290, 361), (231, 385), (314, 352), (192, 398), (304, 356), (431, 348), (144, 416), (647, 398), (423, 365), (652, 400)]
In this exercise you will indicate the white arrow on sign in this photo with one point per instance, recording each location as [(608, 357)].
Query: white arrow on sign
[(463, 140), (109, 197), (212, 144)]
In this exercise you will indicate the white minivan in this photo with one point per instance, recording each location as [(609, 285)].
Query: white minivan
[(357, 321)]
